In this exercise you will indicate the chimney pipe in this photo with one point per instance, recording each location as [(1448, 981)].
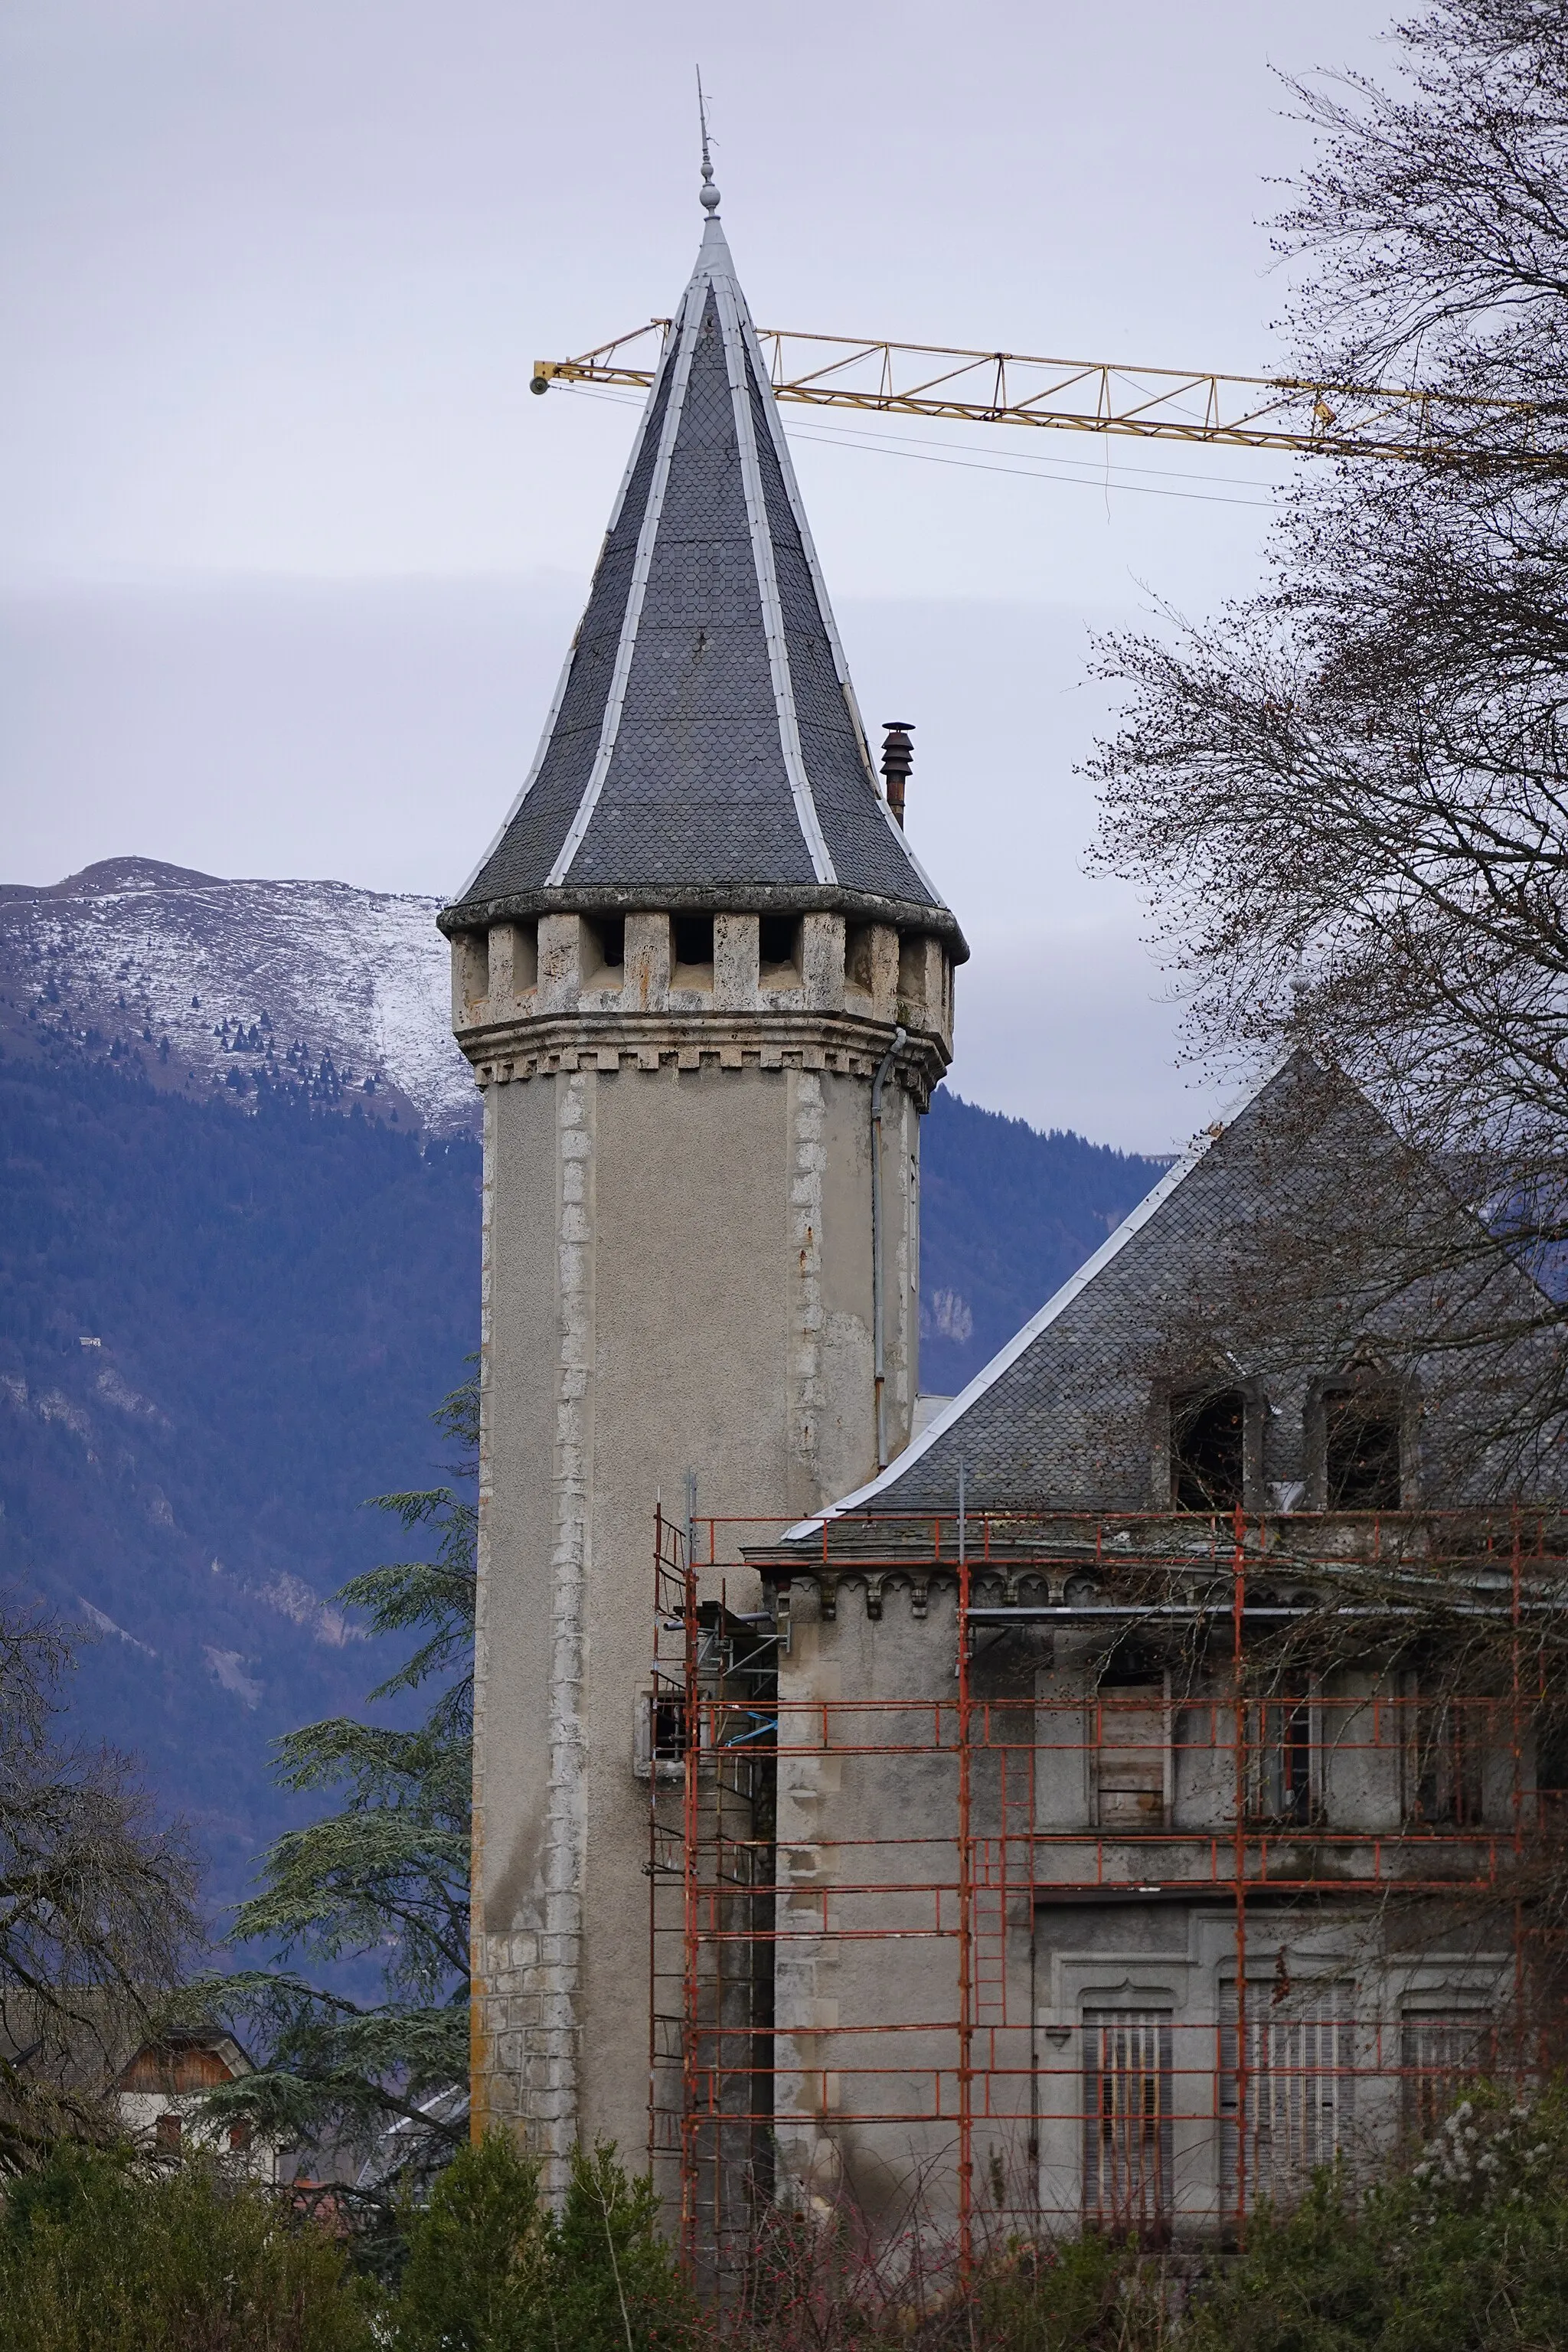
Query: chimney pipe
[(898, 758)]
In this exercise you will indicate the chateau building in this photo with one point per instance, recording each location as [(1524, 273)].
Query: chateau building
[(1052, 1808)]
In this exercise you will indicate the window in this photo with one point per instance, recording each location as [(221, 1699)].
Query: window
[(1444, 1746), (239, 2137), (669, 1733), (1127, 2151), (1552, 1769), (662, 1733), (167, 2132), (1208, 1449), (1438, 2050), (1361, 1450), (694, 939), (1132, 1755), (1285, 1749), (1292, 2108)]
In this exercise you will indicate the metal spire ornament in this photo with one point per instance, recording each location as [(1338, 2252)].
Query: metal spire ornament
[(709, 198)]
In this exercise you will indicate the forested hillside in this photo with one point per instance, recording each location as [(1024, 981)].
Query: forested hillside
[(275, 1303), (1006, 1215), (221, 1329)]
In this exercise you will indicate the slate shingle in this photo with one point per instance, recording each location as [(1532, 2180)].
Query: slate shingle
[(697, 794)]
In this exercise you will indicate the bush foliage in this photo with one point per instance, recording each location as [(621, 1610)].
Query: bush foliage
[(490, 2270), (95, 2257), (1464, 2249)]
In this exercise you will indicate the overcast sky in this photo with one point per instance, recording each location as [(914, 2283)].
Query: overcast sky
[(290, 556)]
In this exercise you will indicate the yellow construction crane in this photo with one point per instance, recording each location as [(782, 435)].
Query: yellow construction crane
[(1147, 403)]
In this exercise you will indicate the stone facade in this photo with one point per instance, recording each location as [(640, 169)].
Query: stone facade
[(677, 1279), (1200, 1747)]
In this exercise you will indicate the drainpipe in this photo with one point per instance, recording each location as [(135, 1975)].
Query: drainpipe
[(879, 1366)]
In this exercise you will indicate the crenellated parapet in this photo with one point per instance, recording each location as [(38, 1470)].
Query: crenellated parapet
[(535, 994)]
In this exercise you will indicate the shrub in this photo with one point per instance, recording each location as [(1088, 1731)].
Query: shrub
[(475, 2277), (488, 2270), (1087, 2295), (829, 2280), (95, 2257), (613, 2284), (1467, 2251)]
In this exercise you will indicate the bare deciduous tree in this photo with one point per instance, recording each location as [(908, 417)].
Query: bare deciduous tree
[(1348, 796), (97, 1909)]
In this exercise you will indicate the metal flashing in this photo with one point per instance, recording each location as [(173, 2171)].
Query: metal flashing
[(731, 312), (691, 323)]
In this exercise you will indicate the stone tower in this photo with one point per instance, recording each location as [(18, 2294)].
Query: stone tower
[(696, 956)]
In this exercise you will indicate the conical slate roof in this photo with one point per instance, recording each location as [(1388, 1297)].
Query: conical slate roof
[(704, 747)]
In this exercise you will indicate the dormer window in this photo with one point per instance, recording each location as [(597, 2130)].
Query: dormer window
[(1208, 1449), (1355, 1432), (1361, 1450)]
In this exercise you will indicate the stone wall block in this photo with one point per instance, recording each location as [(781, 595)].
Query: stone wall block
[(513, 961), (922, 986), (735, 965), (822, 954), (470, 978), (645, 988), (884, 962), (560, 962)]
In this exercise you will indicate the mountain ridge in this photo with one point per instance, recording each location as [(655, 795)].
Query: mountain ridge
[(314, 988), (226, 1313)]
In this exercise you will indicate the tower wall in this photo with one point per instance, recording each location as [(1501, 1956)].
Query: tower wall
[(678, 1278)]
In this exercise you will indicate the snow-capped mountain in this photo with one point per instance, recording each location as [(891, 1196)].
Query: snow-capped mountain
[(314, 986)]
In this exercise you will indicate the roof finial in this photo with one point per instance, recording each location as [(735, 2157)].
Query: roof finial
[(709, 198)]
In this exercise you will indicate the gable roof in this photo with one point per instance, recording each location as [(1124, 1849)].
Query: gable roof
[(704, 747), (1058, 1418), (882, 1491)]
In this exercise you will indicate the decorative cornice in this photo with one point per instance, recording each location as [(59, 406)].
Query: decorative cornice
[(518, 1047), (781, 898)]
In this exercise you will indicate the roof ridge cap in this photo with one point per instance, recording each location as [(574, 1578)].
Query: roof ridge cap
[(642, 563), (731, 305)]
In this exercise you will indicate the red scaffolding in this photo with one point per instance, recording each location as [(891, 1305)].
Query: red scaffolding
[(936, 2053)]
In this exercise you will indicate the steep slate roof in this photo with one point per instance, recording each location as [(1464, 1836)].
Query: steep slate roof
[(1058, 1418), (704, 747)]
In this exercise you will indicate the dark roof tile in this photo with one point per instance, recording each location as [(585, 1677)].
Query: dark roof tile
[(735, 760)]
